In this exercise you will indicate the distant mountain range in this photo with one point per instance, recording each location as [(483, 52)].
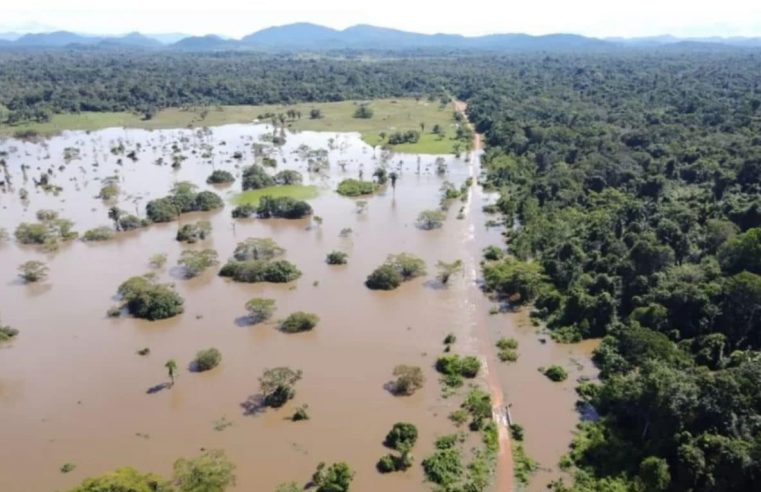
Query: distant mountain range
[(312, 37)]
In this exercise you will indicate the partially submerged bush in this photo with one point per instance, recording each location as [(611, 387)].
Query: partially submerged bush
[(337, 258), (244, 211), (430, 219), (257, 249), (33, 271), (283, 207), (555, 373), (298, 322), (408, 379), (220, 177), (454, 368), (334, 478), (183, 199), (255, 177), (401, 437), (277, 385), (260, 309), (191, 233), (207, 359), (195, 262), (397, 269), (48, 231), (288, 177), (102, 233), (147, 299), (7, 333), (253, 271), (356, 187)]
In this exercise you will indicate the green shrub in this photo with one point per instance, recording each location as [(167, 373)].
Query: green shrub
[(191, 233), (334, 478), (282, 207), (430, 219), (401, 437), (300, 414), (260, 309), (255, 177), (355, 187), (244, 211), (386, 464), (336, 258), (385, 277), (288, 177), (149, 300), (276, 385), (298, 322), (220, 177), (408, 379), (195, 262), (252, 271), (444, 467), (207, 359), (256, 248), (102, 233), (6, 333), (131, 222), (33, 271), (363, 111), (556, 373), (454, 365)]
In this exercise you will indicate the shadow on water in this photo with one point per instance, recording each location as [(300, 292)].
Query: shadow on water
[(254, 405)]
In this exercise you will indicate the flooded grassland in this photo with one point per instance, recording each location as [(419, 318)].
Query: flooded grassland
[(73, 389)]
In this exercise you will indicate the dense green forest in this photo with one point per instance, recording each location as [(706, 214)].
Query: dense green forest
[(634, 190), (631, 185)]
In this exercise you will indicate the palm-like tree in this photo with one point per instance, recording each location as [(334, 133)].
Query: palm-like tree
[(171, 367)]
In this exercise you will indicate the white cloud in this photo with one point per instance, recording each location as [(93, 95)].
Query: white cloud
[(240, 17)]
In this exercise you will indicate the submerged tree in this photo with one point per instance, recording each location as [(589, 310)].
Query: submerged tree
[(33, 271), (446, 270), (171, 368), (277, 385)]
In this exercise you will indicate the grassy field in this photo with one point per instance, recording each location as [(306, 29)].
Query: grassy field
[(299, 192), (390, 115)]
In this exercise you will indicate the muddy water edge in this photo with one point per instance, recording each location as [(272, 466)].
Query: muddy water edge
[(73, 389)]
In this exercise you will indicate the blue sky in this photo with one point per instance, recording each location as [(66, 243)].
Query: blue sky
[(239, 17)]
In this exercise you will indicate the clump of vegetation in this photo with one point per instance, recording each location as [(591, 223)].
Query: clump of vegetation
[(207, 359), (219, 176), (300, 413), (255, 177), (109, 190), (408, 379), (147, 299), (252, 271), (444, 467), (397, 269), (363, 111), (258, 249), (507, 349), (282, 207), (7, 333), (47, 232), (194, 262), (334, 478), (520, 281), (102, 233), (555, 373), (33, 271), (157, 261), (288, 177), (447, 269), (493, 253), (402, 438), (182, 199), (355, 187), (244, 211), (478, 404), (68, 467), (194, 232), (298, 322), (277, 386), (409, 136), (430, 219), (336, 258), (210, 472), (454, 368), (260, 309), (253, 261)]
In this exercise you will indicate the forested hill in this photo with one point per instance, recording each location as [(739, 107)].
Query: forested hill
[(635, 188)]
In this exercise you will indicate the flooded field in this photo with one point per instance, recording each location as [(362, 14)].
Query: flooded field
[(73, 389)]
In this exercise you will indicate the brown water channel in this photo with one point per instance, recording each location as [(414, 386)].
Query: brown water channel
[(72, 388)]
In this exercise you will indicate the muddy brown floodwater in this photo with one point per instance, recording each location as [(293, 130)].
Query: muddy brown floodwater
[(72, 388)]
